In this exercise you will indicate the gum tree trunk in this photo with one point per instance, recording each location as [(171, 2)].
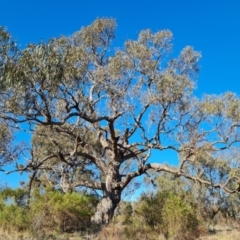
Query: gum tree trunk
[(105, 209), (111, 198)]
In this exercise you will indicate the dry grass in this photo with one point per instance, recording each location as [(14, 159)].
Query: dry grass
[(113, 233), (223, 235), (219, 235), (13, 235)]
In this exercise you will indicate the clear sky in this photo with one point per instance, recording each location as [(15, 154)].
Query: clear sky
[(210, 26)]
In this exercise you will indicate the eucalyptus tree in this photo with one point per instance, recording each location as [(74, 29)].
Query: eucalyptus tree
[(96, 114)]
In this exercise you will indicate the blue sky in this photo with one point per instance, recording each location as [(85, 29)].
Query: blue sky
[(211, 27)]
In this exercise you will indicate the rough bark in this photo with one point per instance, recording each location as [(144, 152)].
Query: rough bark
[(105, 209), (111, 197)]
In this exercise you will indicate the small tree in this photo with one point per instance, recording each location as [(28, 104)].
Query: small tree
[(179, 219), (96, 115)]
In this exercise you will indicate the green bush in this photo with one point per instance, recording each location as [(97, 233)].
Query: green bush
[(13, 211), (14, 217), (62, 212), (49, 212), (179, 219), (163, 213)]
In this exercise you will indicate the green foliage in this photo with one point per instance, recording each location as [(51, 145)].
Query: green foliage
[(6, 138), (179, 219), (13, 212), (162, 213), (51, 211), (14, 196), (14, 217), (62, 212), (150, 208)]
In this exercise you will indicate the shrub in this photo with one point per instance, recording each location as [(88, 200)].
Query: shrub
[(179, 219), (62, 212), (162, 213), (49, 212), (13, 212)]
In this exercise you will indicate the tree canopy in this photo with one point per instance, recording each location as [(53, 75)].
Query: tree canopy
[(96, 114)]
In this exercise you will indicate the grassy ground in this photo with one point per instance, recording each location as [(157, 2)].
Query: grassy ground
[(218, 235), (223, 235)]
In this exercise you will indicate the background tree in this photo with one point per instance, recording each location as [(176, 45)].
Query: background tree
[(213, 205), (96, 115)]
